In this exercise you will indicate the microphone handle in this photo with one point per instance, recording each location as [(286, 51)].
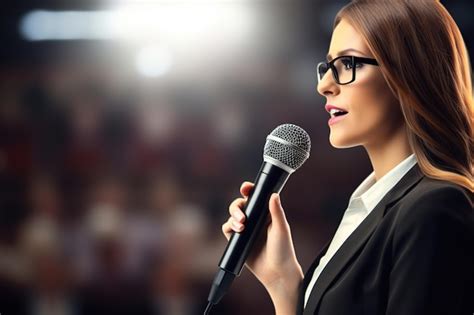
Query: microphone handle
[(270, 179)]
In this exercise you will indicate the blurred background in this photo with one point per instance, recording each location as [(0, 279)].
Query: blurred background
[(126, 129)]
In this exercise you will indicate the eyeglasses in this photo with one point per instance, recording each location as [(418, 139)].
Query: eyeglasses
[(343, 68)]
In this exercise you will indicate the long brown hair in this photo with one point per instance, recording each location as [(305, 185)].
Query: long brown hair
[(425, 62)]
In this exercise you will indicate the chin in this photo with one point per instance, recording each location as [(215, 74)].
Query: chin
[(341, 143)]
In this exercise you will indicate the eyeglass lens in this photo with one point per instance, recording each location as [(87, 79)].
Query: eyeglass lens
[(344, 70)]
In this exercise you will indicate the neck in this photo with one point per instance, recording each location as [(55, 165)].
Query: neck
[(388, 153)]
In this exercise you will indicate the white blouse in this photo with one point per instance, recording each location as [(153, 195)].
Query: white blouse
[(363, 200)]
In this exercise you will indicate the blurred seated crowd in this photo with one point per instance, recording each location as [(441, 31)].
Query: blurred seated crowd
[(112, 201), (113, 192), (96, 215)]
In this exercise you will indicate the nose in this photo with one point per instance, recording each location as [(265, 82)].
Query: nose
[(327, 85)]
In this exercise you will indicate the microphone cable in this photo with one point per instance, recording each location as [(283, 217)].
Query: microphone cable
[(207, 311)]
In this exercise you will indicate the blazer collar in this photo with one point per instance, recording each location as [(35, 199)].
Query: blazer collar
[(353, 243)]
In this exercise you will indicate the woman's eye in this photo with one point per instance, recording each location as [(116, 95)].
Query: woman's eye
[(347, 64)]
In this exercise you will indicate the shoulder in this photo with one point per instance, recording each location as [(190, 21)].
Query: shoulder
[(434, 203), (437, 195)]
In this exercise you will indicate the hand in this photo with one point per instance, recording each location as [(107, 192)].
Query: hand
[(272, 260)]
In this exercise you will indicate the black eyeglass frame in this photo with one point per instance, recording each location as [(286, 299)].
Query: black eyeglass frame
[(354, 60)]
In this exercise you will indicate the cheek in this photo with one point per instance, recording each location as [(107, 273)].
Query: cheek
[(374, 112), (373, 101), (367, 108)]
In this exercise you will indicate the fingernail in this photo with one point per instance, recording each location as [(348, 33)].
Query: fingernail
[(277, 197)]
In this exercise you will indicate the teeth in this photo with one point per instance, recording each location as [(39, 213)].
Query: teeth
[(333, 111)]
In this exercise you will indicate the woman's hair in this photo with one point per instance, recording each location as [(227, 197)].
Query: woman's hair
[(425, 63)]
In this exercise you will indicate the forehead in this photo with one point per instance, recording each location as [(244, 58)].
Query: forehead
[(345, 36)]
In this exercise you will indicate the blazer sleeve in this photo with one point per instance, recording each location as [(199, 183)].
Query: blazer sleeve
[(433, 260)]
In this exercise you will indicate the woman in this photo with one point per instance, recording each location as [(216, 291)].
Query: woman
[(397, 82)]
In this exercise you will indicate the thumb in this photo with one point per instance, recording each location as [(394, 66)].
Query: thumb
[(276, 211)]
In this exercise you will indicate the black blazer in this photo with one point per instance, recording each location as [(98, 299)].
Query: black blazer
[(412, 255)]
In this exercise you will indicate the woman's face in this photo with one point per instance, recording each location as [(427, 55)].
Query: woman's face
[(373, 112)]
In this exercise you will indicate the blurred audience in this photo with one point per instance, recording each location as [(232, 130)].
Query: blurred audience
[(113, 188)]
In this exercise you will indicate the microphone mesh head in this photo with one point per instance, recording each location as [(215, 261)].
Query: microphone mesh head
[(289, 145)]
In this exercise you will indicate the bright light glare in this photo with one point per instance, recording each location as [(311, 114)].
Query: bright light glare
[(154, 61), (171, 1), (169, 22), (67, 25)]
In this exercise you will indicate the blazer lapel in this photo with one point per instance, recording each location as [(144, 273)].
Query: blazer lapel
[(307, 278), (356, 240)]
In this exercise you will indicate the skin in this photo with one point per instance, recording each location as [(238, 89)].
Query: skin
[(374, 120)]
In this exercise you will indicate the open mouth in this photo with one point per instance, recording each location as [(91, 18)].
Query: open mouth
[(337, 112)]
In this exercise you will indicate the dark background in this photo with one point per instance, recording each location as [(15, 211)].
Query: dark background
[(114, 185)]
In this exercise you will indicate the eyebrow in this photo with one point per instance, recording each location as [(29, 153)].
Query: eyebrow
[(342, 52)]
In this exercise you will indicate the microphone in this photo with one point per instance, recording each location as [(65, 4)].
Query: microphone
[(286, 149)]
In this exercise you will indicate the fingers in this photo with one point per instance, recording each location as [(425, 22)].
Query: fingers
[(230, 227), (246, 188), (235, 223), (276, 211), (226, 229), (235, 209)]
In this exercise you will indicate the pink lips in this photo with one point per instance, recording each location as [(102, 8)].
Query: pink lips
[(328, 107), (334, 120)]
